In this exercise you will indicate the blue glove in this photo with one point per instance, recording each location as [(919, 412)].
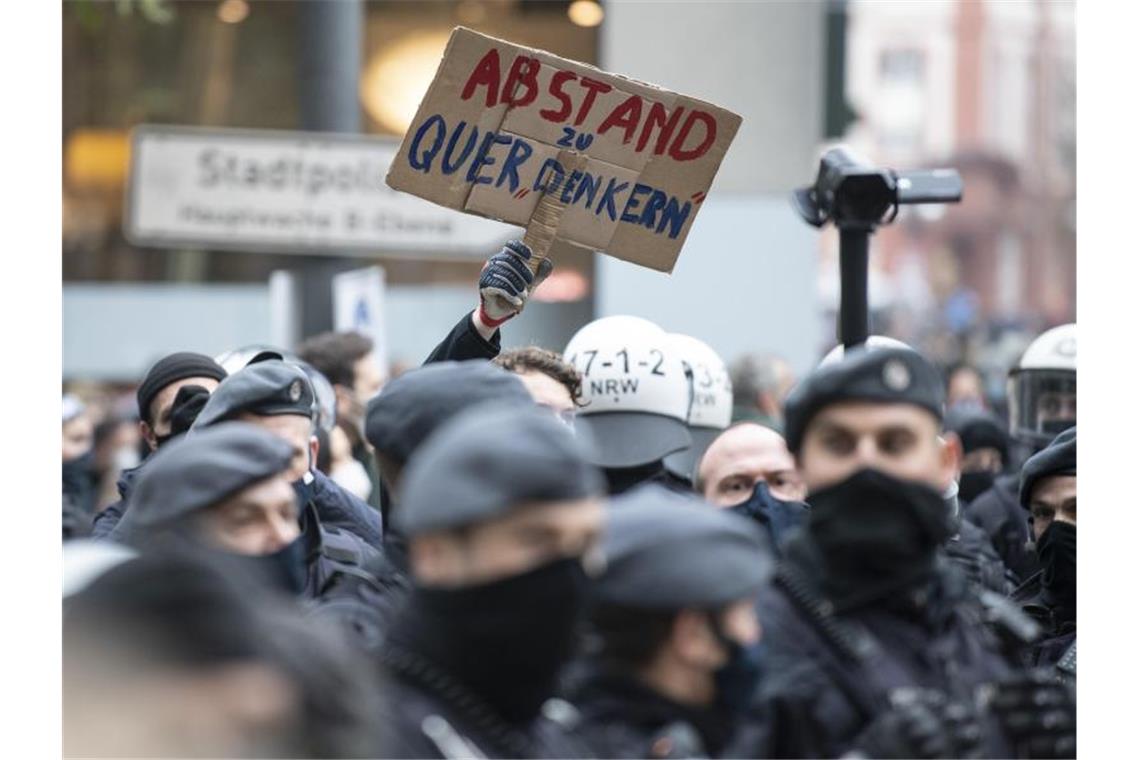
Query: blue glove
[(507, 282)]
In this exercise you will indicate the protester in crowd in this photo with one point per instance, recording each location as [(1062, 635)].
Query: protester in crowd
[(710, 405), (505, 285), (748, 469), (1049, 493), (340, 464), (348, 361), (635, 399), (552, 382), (759, 385), (1042, 403), (499, 537), (155, 396), (116, 449), (79, 482), (985, 450), (674, 663), (965, 387), (860, 598)]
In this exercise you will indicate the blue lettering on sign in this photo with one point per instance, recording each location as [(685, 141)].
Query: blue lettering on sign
[(520, 152), (646, 206), (631, 204), (607, 202), (422, 162)]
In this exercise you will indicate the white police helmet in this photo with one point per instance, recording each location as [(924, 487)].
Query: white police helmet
[(1043, 387), (634, 390), (710, 400)]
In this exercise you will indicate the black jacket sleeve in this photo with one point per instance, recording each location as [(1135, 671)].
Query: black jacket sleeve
[(464, 342)]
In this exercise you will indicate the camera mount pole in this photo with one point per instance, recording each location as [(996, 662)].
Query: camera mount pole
[(853, 322)]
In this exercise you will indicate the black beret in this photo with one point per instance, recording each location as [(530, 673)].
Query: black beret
[(171, 369), (1058, 458), (412, 406), (669, 551), (490, 459), (978, 429), (266, 388), (197, 471), (881, 375)]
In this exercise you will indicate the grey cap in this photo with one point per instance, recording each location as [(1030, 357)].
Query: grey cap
[(411, 407), (669, 551), (885, 375), (489, 460), (267, 388), (1058, 458), (194, 472)]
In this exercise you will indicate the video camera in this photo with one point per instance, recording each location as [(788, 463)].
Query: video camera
[(853, 194)]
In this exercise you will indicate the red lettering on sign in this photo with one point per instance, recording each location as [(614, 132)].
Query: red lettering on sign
[(592, 88), (486, 73), (627, 115), (560, 78), (681, 154), (663, 120), (524, 71)]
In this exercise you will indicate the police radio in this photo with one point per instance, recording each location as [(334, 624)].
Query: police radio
[(857, 198)]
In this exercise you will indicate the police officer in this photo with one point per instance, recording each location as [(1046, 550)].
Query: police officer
[(155, 397), (674, 617), (748, 470), (967, 546), (636, 399), (502, 511), (1049, 493), (278, 397), (861, 610), (710, 402), (1042, 403), (411, 407), (169, 656)]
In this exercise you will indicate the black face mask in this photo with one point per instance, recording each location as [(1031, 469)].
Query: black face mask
[(776, 515), (284, 570), (737, 679), (506, 640), (79, 480), (878, 535), (1057, 551), (973, 484)]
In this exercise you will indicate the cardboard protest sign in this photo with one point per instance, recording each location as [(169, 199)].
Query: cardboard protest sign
[(488, 134)]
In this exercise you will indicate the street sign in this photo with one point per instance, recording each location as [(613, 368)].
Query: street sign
[(358, 305), (286, 192)]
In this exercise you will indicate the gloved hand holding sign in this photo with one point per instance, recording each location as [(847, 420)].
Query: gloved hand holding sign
[(506, 282)]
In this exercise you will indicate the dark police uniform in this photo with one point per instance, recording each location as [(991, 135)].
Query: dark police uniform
[(1049, 606), (432, 708), (335, 567), (410, 408), (274, 387), (832, 672), (998, 513), (664, 553)]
